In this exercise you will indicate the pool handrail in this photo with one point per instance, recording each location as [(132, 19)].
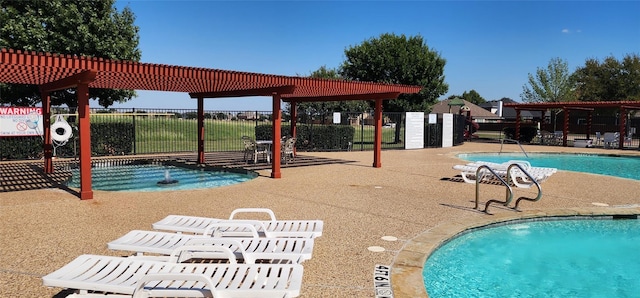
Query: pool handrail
[(515, 141), (538, 197), (509, 191)]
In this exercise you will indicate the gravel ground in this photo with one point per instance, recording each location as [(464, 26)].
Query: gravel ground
[(412, 193)]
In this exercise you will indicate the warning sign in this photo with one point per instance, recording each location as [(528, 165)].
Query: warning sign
[(20, 121)]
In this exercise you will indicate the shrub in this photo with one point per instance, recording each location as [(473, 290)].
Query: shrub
[(313, 138), (106, 139)]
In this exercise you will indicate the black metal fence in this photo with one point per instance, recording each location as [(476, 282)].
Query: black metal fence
[(158, 131)]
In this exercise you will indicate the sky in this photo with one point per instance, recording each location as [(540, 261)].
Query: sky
[(489, 46)]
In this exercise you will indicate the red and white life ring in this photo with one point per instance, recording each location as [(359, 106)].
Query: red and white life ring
[(65, 135)]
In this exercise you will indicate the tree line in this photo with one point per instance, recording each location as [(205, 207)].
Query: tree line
[(607, 80)]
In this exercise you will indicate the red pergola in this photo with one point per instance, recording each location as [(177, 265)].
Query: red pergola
[(56, 72), (623, 106)]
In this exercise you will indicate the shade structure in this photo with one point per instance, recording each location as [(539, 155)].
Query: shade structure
[(18, 67), (56, 71), (567, 106)]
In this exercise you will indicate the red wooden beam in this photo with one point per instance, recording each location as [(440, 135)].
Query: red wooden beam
[(247, 92), (368, 96), (85, 77)]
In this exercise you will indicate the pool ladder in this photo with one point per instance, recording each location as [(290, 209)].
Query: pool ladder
[(481, 171), (514, 141)]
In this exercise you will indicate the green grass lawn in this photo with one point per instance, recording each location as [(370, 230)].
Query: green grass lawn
[(161, 134)]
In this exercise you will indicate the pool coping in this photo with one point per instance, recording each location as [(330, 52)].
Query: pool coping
[(406, 271)]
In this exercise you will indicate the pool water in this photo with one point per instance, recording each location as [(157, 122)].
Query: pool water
[(554, 258), (618, 166), (145, 177)]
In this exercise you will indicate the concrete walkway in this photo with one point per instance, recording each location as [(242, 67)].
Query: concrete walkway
[(412, 194)]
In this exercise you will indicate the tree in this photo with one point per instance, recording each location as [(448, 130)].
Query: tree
[(609, 80), (75, 27), (552, 84), (325, 107), (397, 59), (473, 97)]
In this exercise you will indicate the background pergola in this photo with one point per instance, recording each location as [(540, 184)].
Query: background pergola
[(52, 72), (622, 106)]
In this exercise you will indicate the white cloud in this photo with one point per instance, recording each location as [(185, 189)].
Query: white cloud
[(565, 31)]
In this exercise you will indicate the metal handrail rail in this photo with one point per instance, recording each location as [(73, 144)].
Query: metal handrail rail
[(479, 175), (515, 141), (538, 197)]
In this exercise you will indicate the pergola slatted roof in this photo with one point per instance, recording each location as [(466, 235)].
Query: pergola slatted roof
[(53, 72), (19, 67)]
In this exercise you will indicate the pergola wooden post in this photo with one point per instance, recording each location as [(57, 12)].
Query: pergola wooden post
[(517, 124), (294, 122), (275, 148), (200, 130), (589, 123), (623, 127), (81, 82), (84, 141), (565, 126), (47, 146), (377, 140)]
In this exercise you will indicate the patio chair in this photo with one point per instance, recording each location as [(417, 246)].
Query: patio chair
[(287, 151), (253, 150), (610, 139), (271, 228), (558, 137), (107, 276), (295, 250)]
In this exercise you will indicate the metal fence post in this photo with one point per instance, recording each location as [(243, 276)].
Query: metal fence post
[(362, 131), (133, 121)]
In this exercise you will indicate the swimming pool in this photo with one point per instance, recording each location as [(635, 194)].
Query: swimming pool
[(550, 258), (611, 165), (145, 177)]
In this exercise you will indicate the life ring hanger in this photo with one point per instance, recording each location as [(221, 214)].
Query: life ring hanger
[(61, 124)]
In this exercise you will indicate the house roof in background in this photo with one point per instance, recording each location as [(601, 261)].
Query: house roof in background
[(477, 112)]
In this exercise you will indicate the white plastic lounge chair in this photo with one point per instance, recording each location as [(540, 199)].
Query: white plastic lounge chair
[(106, 276), (518, 178), (525, 164), (269, 228), (254, 248)]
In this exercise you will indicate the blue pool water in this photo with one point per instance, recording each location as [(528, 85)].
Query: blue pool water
[(557, 258), (619, 166), (145, 178)]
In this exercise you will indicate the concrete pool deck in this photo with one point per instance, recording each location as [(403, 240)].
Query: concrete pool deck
[(412, 197)]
